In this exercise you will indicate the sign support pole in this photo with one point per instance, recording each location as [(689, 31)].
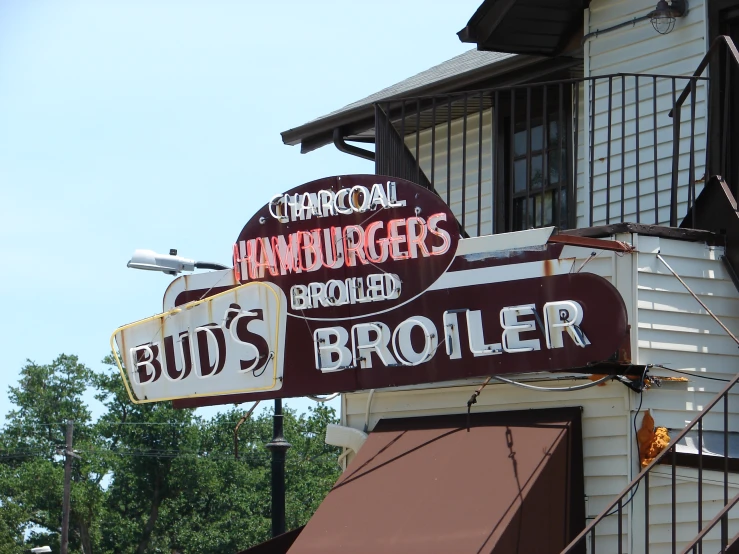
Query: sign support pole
[(278, 447)]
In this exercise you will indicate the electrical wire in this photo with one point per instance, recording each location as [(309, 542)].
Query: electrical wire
[(636, 439), (553, 389), (692, 374)]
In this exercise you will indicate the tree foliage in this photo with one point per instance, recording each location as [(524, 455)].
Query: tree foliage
[(149, 478)]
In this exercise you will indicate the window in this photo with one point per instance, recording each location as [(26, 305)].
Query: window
[(536, 189)]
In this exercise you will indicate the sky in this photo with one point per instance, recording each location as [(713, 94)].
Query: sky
[(153, 124)]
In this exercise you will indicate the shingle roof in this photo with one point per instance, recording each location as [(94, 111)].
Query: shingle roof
[(458, 65), (472, 64)]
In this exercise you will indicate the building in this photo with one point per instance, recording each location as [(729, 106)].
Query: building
[(607, 122)]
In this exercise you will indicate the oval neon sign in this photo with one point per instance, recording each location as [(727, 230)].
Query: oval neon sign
[(348, 246)]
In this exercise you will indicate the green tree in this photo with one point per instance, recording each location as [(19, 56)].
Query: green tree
[(150, 478), (31, 478)]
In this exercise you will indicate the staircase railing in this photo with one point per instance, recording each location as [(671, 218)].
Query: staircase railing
[(720, 403), (720, 44), (669, 456)]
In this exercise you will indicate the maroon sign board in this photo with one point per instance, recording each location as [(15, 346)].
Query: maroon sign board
[(376, 297)]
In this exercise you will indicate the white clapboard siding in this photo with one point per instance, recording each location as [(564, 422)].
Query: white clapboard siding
[(639, 49), (686, 513), (675, 331), (461, 161)]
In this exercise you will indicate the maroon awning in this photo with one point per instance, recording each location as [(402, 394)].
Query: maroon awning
[(511, 482), (276, 545)]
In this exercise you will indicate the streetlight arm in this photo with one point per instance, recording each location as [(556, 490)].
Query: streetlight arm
[(171, 264), (210, 265)]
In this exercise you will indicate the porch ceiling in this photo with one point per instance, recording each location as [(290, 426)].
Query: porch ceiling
[(539, 27)]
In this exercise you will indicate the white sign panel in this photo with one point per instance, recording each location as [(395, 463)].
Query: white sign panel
[(228, 343)]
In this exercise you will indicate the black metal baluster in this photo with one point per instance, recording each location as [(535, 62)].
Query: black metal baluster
[(402, 137), (433, 142), (418, 141), (654, 128), (725, 127), (700, 479), (646, 513), (620, 526), (528, 158), (449, 153), (572, 192), (560, 156), (675, 156), (479, 170), (513, 165), (494, 174), (544, 154), (691, 178), (674, 503), (592, 148), (464, 163), (638, 191), (623, 146), (608, 151)]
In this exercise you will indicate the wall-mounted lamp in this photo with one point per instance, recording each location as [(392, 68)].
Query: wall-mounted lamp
[(663, 17)]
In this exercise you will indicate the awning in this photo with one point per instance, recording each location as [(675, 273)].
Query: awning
[(511, 482), (276, 545)]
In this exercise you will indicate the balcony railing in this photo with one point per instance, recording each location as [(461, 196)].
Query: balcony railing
[(569, 153)]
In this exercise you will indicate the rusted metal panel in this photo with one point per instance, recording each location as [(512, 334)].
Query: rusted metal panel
[(229, 342), (490, 483), (599, 244)]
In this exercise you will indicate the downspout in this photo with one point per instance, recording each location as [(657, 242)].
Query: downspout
[(342, 146)]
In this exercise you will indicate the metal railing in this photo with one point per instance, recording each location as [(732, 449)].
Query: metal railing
[(719, 142), (533, 155), (719, 404), (668, 459)]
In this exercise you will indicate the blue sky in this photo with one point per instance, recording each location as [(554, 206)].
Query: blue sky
[(155, 124)]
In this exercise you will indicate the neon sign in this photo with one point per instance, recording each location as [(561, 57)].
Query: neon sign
[(348, 246)]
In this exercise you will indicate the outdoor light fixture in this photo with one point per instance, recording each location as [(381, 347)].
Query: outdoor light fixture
[(663, 17), (41, 549), (171, 263)]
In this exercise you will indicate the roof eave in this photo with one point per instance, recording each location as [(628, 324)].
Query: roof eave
[(319, 133)]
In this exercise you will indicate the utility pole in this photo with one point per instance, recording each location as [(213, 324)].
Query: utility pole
[(67, 488), (278, 447)]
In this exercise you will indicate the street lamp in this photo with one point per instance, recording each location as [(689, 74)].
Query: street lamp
[(172, 264), (41, 549)]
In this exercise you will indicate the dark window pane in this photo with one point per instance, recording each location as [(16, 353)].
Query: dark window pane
[(518, 214), (563, 221), (536, 172), (519, 148), (553, 133), (520, 219), (537, 137), (548, 209), (519, 176), (554, 160)]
